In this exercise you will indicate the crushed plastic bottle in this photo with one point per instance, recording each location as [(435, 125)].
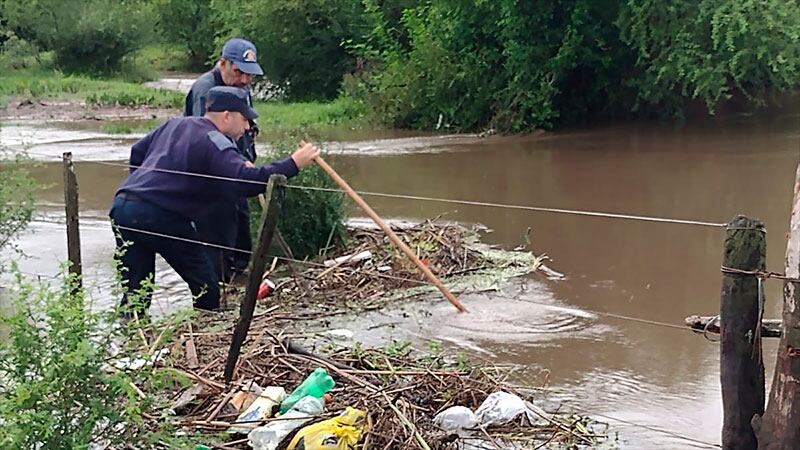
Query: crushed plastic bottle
[(316, 385), (267, 437)]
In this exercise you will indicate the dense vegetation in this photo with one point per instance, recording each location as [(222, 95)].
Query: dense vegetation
[(464, 64)]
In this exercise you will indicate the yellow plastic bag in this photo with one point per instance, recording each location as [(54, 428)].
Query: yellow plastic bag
[(339, 433)]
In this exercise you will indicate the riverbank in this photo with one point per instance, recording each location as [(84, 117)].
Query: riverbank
[(38, 94), (310, 322)]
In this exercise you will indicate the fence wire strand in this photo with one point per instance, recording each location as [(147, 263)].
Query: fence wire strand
[(578, 212)]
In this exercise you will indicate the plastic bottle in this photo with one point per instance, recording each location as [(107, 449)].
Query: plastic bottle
[(261, 408), (316, 385), (268, 437)]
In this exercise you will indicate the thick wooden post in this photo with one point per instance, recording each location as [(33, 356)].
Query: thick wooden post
[(780, 427), (71, 207), (741, 363), (258, 263)]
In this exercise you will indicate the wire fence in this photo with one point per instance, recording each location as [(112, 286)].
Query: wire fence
[(599, 214)]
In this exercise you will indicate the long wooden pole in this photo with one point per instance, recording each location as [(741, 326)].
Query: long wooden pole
[(391, 234)]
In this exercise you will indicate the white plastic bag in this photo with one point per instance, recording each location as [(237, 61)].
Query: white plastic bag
[(456, 419), (500, 408), (268, 437)]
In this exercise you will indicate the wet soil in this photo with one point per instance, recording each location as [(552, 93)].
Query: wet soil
[(22, 108)]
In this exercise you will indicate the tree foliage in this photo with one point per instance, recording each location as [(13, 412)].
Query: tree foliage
[(519, 65), (193, 24), (711, 50), (299, 41), (87, 35)]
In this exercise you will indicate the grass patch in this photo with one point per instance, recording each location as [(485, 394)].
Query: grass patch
[(51, 84), (163, 57), (277, 117), (130, 126)]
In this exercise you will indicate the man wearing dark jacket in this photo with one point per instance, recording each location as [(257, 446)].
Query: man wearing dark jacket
[(230, 224), (182, 171)]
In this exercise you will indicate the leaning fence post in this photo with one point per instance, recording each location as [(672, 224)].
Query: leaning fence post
[(741, 362), (258, 263), (71, 208)]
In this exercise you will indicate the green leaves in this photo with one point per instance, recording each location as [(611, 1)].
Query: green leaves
[(710, 50)]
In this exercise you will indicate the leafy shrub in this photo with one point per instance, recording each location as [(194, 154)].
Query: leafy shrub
[(55, 391), (17, 53), (16, 197), (87, 36), (310, 220)]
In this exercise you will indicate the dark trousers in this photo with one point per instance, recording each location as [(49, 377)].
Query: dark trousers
[(137, 251), (244, 240), (227, 225)]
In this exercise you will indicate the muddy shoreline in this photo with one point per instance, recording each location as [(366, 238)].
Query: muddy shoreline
[(59, 110)]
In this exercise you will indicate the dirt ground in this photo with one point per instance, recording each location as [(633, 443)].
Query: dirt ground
[(59, 110)]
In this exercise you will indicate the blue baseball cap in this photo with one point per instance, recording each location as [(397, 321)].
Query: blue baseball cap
[(243, 54), (229, 98)]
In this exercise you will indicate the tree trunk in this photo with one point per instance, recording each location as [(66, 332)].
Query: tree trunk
[(780, 427)]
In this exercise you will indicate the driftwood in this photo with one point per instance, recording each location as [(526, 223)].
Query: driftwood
[(769, 327)]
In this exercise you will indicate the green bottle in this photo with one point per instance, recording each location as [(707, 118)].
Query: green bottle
[(316, 385)]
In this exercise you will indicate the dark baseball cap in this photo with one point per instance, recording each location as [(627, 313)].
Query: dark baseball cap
[(229, 98), (243, 54)]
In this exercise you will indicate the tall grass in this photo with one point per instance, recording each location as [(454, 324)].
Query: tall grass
[(43, 84)]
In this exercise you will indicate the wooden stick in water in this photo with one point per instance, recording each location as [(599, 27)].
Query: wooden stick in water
[(391, 234)]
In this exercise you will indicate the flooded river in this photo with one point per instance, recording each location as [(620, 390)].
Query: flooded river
[(655, 385)]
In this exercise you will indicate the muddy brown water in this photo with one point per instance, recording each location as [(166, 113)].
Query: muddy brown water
[(654, 385)]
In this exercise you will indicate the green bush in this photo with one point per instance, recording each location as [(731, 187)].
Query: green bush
[(55, 391), (17, 53), (310, 220), (87, 36), (468, 65), (299, 42), (16, 197)]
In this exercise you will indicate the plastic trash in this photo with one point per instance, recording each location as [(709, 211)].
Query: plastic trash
[(262, 408), (245, 397), (356, 257), (340, 334), (501, 407), (339, 433), (266, 288), (268, 437), (316, 385), (455, 419)]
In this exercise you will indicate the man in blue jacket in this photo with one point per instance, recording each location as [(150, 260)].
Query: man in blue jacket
[(230, 224), (175, 179)]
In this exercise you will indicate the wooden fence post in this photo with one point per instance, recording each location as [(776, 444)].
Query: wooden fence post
[(258, 263), (741, 362), (71, 208), (780, 427)]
